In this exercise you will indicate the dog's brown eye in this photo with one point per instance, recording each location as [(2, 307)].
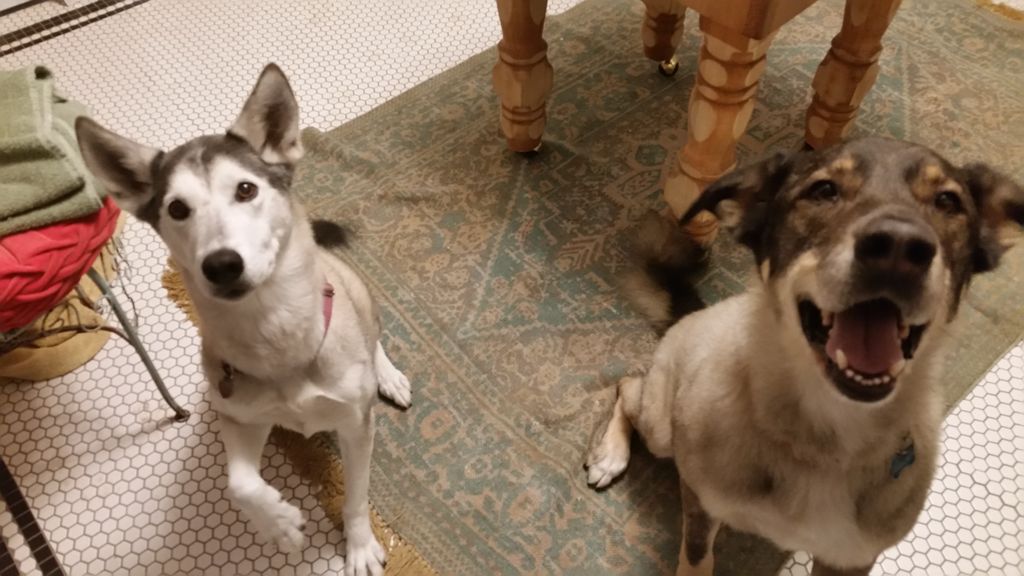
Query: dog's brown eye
[(178, 210), (246, 191), (949, 202), (822, 191)]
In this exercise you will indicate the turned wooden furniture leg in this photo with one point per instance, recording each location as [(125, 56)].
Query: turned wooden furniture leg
[(848, 71), (722, 101), (523, 76), (661, 32)]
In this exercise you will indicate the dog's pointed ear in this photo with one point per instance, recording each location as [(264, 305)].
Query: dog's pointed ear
[(269, 120), (741, 199), (123, 167), (1000, 203)]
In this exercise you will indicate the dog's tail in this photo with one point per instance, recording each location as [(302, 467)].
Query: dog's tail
[(659, 281), (329, 234)]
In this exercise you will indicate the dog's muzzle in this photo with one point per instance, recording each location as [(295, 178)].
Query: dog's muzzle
[(893, 255), (866, 345), (223, 268)]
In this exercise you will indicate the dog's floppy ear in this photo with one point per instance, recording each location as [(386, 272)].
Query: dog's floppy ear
[(123, 167), (741, 198), (269, 120), (1000, 203)]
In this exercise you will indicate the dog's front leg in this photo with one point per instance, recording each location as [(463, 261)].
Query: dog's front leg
[(363, 554), (696, 555), (275, 519)]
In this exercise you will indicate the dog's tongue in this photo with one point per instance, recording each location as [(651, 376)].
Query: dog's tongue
[(869, 336)]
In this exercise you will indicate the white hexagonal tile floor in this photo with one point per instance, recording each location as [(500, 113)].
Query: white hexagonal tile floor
[(121, 490)]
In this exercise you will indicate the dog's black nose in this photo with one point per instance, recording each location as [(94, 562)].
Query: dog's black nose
[(223, 266), (896, 246)]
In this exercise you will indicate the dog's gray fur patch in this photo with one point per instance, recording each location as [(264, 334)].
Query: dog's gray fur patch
[(200, 153)]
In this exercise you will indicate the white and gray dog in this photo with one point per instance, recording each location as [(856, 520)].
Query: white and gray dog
[(265, 295)]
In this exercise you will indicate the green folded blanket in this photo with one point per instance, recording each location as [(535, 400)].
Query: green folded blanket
[(42, 177)]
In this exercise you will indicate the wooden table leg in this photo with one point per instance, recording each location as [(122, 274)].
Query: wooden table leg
[(523, 76), (848, 71), (662, 31), (728, 72)]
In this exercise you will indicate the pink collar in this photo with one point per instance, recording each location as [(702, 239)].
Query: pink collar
[(226, 386), (328, 292)]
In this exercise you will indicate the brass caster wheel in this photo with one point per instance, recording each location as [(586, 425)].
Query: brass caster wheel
[(668, 68)]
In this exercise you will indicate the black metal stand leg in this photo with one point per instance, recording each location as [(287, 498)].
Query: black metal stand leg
[(180, 414)]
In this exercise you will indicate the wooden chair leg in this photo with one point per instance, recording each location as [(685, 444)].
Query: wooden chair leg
[(729, 69), (848, 71), (523, 76), (661, 32)]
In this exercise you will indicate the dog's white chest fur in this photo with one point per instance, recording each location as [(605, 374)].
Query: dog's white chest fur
[(304, 379), (303, 404)]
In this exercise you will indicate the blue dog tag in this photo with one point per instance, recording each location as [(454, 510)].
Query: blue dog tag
[(902, 460)]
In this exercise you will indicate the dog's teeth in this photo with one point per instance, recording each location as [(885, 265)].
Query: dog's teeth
[(850, 373), (885, 379), (826, 318), (904, 331), (841, 360), (896, 368)]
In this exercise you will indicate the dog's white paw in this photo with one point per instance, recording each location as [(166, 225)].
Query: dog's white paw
[(364, 559), (283, 525), (394, 386), (607, 461), (276, 520)]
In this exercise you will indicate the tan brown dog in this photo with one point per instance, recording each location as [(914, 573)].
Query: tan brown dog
[(807, 410)]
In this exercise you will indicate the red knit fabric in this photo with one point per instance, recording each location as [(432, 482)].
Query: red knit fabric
[(40, 267)]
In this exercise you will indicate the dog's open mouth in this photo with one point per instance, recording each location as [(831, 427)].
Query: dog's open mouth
[(865, 346)]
